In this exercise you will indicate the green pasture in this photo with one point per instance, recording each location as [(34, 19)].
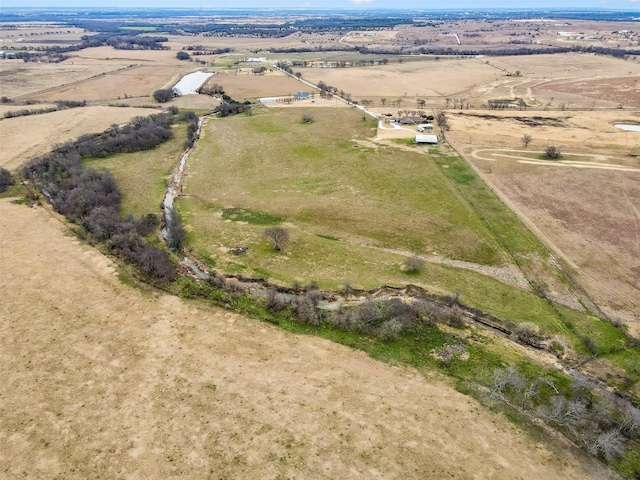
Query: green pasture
[(319, 178), (142, 176)]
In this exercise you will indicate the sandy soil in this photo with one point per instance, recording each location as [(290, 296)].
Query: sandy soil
[(99, 380), (25, 137)]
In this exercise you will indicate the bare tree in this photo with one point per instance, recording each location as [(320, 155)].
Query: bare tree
[(526, 140), (307, 118), (278, 236), (383, 101), (442, 121)]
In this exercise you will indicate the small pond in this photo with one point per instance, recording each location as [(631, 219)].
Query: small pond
[(628, 127), (190, 83)]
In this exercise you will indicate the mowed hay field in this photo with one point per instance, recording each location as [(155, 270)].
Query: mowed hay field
[(578, 80), (586, 207), (407, 80), (127, 82), (94, 74), (26, 137), (19, 79), (101, 380), (248, 85)]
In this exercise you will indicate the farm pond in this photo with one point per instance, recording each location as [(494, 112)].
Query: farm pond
[(628, 127), (190, 83)]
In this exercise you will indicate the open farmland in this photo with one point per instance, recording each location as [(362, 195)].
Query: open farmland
[(142, 384), (127, 82), (356, 210), (584, 206), (26, 137), (427, 79), (554, 81), (321, 178), (30, 78), (243, 85), (529, 282)]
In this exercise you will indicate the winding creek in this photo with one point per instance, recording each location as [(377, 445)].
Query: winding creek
[(173, 189), (335, 301)]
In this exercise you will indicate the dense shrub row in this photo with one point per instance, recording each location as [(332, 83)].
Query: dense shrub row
[(60, 105), (142, 133), (90, 198), (229, 106)]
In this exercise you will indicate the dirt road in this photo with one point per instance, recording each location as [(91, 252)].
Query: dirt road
[(102, 380)]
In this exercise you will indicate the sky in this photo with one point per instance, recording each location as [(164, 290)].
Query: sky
[(629, 5)]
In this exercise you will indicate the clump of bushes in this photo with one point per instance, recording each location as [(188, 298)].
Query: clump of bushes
[(552, 153), (412, 264), (5, 179), (229, 106), (163, 95)]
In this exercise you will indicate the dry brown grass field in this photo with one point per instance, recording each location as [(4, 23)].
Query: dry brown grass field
[(586, 206), (25, 137), (127, 82), (18, 78), (102, 380), (429, 79), (244, 84), (569, 80)]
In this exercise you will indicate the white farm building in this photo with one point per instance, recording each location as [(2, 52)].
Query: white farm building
[(428, 139)]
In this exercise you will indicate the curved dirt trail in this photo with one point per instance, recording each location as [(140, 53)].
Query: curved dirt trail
[(98, 379)]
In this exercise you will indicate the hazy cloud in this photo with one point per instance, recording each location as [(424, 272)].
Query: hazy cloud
[(360, 2)]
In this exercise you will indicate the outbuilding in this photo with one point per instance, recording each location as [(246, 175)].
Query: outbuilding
[(302, 95), (428, 139)]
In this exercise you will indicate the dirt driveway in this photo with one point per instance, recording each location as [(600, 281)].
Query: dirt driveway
[(102, 380)]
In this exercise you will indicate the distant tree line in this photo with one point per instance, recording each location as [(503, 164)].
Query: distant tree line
[(505, 50), (60, 105), (202, 50), (90, 198), (132, 41)]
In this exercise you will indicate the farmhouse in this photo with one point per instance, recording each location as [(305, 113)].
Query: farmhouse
[(427, 139), (408, 120), (425, 126)]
